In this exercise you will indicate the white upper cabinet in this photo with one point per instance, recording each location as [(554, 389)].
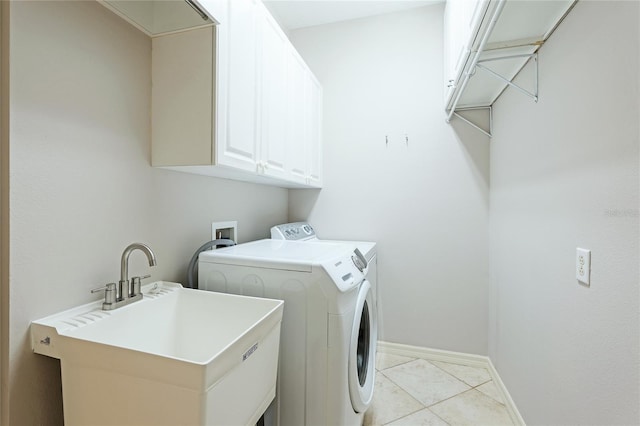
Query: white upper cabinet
[(296, 125), (274, 49), (313, 122), (304, 122), (233, 101), (238, 146)]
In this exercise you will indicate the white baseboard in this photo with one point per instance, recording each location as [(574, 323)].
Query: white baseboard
[(433, 354), (506, 396), (456, 358)]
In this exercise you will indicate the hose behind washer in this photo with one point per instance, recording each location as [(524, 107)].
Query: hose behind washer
[(193, 263)]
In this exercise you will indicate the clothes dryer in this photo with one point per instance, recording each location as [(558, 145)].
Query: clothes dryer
[(303, 231), (329, 333)]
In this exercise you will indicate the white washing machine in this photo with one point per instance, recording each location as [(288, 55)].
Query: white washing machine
[(329, 330), (303, 231)]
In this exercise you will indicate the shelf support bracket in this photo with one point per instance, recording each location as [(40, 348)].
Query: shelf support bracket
[(534, 56), (474, 125)]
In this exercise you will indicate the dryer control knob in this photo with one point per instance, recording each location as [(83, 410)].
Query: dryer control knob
[(358, 263)]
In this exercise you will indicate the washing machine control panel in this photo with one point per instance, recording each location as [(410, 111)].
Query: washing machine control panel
[(345, 272), (297, 231)]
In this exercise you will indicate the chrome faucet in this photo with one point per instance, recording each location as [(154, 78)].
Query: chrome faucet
[(126, 293)]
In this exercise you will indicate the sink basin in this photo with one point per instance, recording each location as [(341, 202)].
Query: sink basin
[(178, 356)]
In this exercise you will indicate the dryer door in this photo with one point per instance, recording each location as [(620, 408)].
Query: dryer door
[(362, 350)]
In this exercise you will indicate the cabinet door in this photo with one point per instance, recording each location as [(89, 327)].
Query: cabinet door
[(273, 88), (296, 117), (237, 143), (314, 131)]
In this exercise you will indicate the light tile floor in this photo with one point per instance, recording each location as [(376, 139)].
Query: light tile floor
[(416, 392)]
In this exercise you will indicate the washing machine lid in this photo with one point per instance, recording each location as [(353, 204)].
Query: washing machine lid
[(279, 254)]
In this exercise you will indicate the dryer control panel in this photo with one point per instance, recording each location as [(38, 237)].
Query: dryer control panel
[(344, 272), (295, 231)]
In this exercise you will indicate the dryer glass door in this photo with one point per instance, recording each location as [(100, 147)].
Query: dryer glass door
[(362, 350), (364, 340)]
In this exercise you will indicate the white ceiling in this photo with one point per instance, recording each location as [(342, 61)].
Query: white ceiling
[(293, 14)]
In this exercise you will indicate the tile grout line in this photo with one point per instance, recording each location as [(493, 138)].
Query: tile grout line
[(485, 394), (402, 363), (381, 371), (409, 414), (470, 360), (451, 397), (429, 362), (436, 414), (424, 407), (456, 377), (446, 399), (428, 407), (405, 391), (455, 396), (419, 402), (468, 384)]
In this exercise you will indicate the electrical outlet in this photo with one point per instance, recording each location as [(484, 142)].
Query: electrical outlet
[(583, 266)]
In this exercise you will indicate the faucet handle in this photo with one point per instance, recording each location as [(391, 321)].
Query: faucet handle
[(109, 292), (135, 284)]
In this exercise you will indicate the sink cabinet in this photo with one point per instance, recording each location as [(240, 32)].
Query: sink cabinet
[(227, 101)]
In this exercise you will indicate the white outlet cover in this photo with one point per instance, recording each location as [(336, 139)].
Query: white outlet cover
[(583, 266)]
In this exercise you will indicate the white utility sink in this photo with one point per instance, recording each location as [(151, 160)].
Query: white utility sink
[(178, 356)]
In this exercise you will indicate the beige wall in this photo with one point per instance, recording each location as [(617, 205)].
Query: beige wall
[(564, 174), (81, 184), (425, 202), (4, 211)]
